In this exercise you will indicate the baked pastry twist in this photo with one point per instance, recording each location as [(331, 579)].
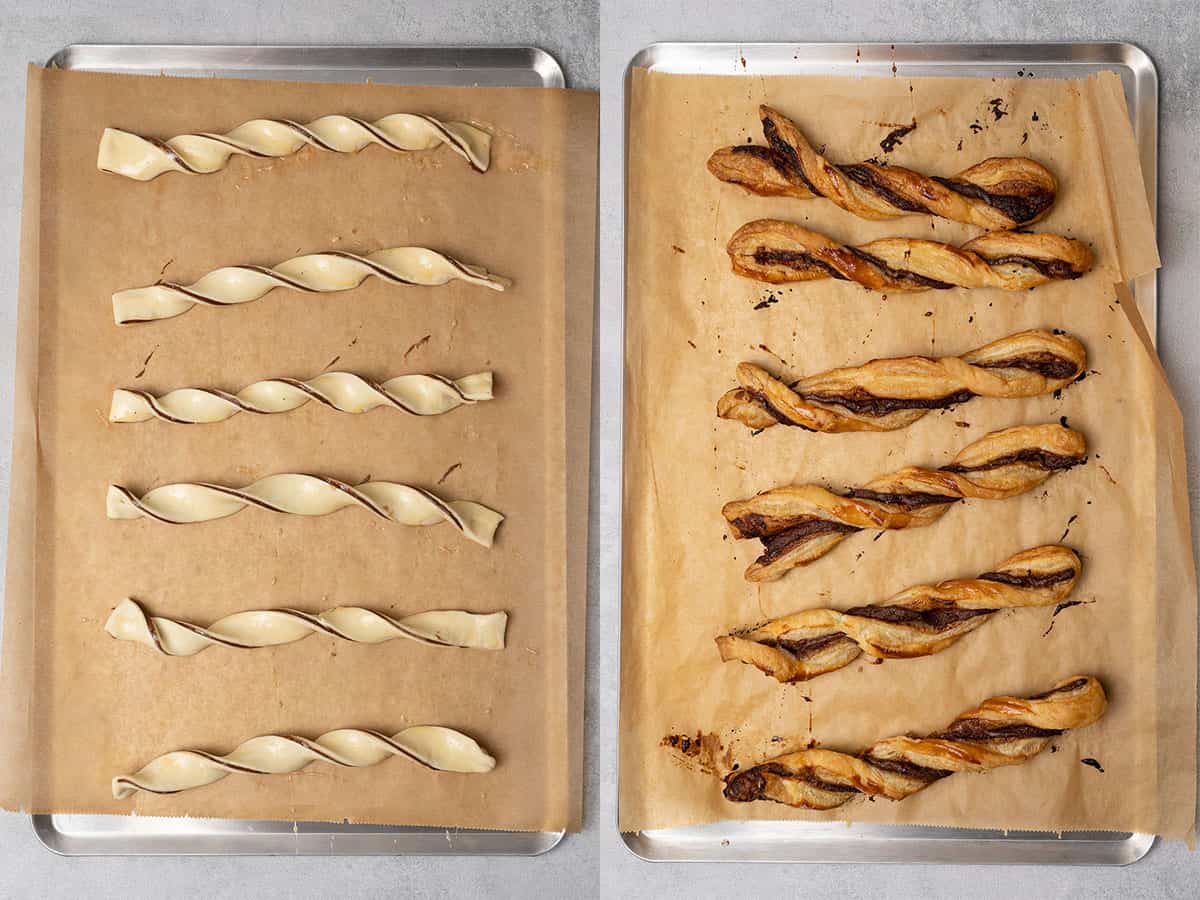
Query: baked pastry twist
[(420, 395), (304, 495), (919, 621), (272, 627), (316, 273), (433, 746), (1002, 731), (201, 153), (887, 394), (997, 194), (775, 251), (800, 523)]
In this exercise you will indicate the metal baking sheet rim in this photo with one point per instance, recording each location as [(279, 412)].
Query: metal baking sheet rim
[(87, 835), (825, 842)]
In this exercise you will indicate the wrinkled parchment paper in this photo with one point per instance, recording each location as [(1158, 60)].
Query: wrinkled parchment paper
[(79, 707), (690, 321)]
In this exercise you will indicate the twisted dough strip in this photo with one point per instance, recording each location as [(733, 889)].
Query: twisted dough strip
[(887, 394), (420, 395), (271, 627), (304, 495), (433, 746), (997, 194), (919, 621), (775, 251), (1002, 731), (800, 523), (143, 159), (316, 273)]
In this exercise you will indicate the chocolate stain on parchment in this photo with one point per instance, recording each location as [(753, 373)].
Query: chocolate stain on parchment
[(700, 753), (896, 136), (449, 472), (421, 343), (1066, 604), (1094, 763), (146, 362)]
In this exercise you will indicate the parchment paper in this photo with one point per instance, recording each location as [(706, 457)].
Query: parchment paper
[(79, 707), (690, 321)]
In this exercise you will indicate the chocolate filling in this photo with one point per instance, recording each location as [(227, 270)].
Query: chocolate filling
[(865, 404), (900, 274), (766, 154), (865, 176), (806, 646), (1021, 208), (1045, 364), (749, 785), (913, 500), (776, 545), (909, 769), (983, 730), (1042, 459), (796, 260), (786, 153), (1050, 268), (1061, 689), (1029, 580), (938, 618)]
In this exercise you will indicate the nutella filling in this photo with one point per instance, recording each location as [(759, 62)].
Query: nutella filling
[(1030, 580), (1061, 689), (806, 646), (795, 260), (1042, 459), (900, 274), (912, 500), (776, 545), (1021, 208), (865, 176), (938, 618), (865, 404), (904, 767), (1045, 364), (1050, 268), (983, 730), (786, 153)]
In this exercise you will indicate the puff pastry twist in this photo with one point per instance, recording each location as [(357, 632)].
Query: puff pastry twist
[(887, 394), (420, 395), (1002, 731), (433, 746), (800, 523), (272, 627), (304, 495), (201, 153), (918, 621), (316, 273), (775, 251), (997, 194)]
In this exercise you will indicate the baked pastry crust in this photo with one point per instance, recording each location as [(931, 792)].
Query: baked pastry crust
[(997, 194), (919, 621), (1002, 731), (779, 252), (887, 394), (800, 523)]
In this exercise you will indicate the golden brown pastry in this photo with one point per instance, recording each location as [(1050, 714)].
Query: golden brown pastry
[(887, 394), (997, 194), (919, 621), (776, 251), (1002, 731), (799, 523)]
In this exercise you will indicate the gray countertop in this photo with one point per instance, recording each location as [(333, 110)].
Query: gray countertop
[(594, 55)]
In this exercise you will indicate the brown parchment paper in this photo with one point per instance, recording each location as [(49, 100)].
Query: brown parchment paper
[(78, 708), (690, 321)]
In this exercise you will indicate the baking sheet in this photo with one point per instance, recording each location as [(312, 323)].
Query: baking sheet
[(777, 840), (579, 296)]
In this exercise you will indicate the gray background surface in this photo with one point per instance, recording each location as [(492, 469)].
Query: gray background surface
[(595, 862)]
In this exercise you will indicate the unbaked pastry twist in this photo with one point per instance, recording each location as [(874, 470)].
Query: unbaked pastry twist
[(271, 627), (433, 746), (887, 394), (420, 395), (316, 273), (200, 153), (799, 523), (997, 194), (918, 621), (304, 495), (775, 251), (1002, 731)]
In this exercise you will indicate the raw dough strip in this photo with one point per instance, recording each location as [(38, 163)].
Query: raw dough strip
[(271, 627), (201, 153), (916, 622), (420, 395), (316, 273), (433, 746), (775, 251), (997, 194), (887, 394), (1002, 731), (304, 495), (800, 523)]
